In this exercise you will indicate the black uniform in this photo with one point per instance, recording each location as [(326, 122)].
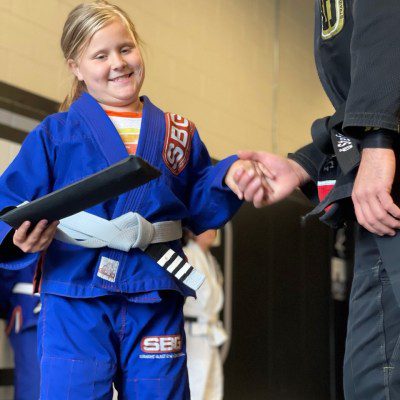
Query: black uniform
[(357, 52), (360, 64)]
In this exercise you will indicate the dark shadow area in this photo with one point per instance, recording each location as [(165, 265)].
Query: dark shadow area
[(281, 312)]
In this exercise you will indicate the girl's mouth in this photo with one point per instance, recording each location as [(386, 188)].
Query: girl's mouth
[(122, 78)]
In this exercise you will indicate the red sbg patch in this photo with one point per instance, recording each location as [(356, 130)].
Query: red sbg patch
[(178, 141), (161, 344)]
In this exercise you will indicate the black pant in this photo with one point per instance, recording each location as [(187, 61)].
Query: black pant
[(372, 359)]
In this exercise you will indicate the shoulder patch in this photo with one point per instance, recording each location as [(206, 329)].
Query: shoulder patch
[(177, 142), (332, 18)]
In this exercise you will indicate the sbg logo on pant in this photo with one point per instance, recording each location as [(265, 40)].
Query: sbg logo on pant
[(161, 344)]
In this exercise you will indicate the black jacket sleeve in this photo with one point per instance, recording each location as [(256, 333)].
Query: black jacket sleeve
[(374, 95), (312, 160)]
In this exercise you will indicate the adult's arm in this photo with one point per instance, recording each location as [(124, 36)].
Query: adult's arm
[(374, 100)]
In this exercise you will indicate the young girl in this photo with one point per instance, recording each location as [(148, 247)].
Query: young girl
[(111, 316)]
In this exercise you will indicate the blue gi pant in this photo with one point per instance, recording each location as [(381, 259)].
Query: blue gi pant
[(372, 359), (26, 378), (87, 344)]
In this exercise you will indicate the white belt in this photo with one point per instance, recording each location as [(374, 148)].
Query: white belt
[(27, 289), (128, 231), (24, 288), (213, 330)]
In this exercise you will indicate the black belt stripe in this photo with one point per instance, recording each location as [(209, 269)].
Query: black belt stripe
[(171, 260), (158, 250), (178, 267), (186, 274)]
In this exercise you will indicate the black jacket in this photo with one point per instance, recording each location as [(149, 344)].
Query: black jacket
[(357, 54)]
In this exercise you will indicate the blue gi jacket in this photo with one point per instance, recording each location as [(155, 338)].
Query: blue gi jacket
[(68, 146)]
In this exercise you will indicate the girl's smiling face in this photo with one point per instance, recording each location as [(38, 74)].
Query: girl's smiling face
[(112, 67)]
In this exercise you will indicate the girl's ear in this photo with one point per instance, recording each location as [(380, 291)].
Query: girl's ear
[(74, 68)]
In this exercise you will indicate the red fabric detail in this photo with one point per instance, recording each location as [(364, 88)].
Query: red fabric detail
[(17, 310), (125, 114), (131, 148), (37, 279), (323, 191)]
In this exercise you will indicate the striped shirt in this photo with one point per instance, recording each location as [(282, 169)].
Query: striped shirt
[(128, 126)]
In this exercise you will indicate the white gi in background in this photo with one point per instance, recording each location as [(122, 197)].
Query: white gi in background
[(204, 330)]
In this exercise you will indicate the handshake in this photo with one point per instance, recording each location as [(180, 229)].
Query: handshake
[(264, 178)]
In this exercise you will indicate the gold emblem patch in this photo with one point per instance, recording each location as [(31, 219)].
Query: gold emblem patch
[(332, 18)]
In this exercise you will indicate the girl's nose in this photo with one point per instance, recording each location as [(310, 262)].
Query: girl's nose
[(118, 62)]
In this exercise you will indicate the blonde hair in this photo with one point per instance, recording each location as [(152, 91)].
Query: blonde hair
[(82, 23)]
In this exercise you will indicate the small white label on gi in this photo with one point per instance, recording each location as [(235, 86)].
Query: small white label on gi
[(108, 269)]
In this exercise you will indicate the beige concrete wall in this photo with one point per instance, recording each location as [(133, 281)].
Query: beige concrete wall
[(300, 95), (242, 70)]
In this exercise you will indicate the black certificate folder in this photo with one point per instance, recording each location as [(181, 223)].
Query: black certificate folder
[(94, 189)]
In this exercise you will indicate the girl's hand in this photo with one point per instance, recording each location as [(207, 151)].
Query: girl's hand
[(256, 179), (38, 239)]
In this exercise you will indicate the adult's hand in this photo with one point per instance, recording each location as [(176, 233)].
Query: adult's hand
[(283, 176), (38, 239), (373, 204)]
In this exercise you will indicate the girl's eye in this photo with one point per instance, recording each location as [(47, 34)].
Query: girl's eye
[(125, 50), (100, 57)]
